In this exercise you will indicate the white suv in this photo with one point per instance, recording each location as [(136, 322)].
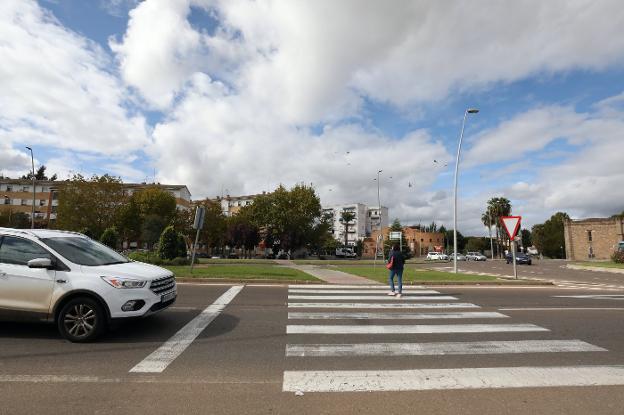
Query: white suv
[(78, 283)]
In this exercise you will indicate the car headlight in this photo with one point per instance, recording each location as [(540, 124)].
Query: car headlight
[(120, 282)]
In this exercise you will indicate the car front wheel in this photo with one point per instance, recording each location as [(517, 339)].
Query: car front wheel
[(81, 320)]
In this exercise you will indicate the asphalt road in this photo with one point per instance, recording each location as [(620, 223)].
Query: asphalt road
[(546, 269), (238, 363)]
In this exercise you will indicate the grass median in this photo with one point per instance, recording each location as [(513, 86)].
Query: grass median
[(410, 274), (237, 272)]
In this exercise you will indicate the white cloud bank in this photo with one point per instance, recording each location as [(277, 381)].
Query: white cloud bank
[(274, 94), (58, 88)]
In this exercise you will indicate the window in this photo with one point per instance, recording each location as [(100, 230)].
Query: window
[(84, 251), (19, 251), (9, 188), (589, 236), (7, 201), (25, 188)]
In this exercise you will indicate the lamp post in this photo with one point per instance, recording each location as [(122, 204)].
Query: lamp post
[(32, 217), (461, 136), (380, 221)]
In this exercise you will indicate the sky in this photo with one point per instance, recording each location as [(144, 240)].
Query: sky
[(237, 96)]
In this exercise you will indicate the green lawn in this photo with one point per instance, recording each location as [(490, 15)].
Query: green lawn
[(349, 262), (241, 272), (227, 261), (412, 274), (605, 264)]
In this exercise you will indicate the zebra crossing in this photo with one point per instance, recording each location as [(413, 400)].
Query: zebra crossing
[(317, 312)]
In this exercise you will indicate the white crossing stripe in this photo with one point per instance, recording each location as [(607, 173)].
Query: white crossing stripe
[(371, 297), (365, 291), (440, 348), (172, 348), (412, 329), (392, 316), (442, 379), (342, 286), (594, 296), (382, 305)]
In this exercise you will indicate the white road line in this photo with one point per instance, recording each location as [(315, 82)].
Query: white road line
[(392, 316), (342, 286), (594, 296), (441, 379), (372, 297), (561, 308), (382, 305), (172, 348), (439, 348), (412, 329), (355, 291)]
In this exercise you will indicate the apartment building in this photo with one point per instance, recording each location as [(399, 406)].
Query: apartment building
[(366, 220), (16, 195), (230, 205)]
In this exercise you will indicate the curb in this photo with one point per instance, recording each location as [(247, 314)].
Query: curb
[(599, 269), (208, 281), (244, 281)]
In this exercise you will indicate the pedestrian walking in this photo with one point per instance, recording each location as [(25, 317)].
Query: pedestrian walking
[(395, 264)]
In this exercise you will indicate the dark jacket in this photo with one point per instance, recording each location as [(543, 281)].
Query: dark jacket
[(398, 262)]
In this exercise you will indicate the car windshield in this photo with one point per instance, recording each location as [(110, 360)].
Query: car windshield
[(84, 251)]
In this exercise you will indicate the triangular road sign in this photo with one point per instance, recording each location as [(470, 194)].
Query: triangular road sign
[(511, 224)]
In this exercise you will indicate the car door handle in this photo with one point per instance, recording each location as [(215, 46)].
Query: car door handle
[(61, 281)]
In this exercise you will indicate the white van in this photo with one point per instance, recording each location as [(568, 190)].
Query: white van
[(75, 282)]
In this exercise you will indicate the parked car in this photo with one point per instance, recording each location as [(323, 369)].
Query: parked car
[(475, 256), (436, 256), (521, 258), (345, 253), (76, 282), (460, 257)]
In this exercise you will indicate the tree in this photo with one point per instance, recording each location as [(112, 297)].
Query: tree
[(497, 207), (475, 243), (548, 237), (129, 221), (182, 249), (110, 237), (388, 244), (152, 227), (287, 216), (155, 201), (461, 241), (346, 217), (12, 219), (241, 233), (526, 237), (39, 175), (168, 243), (93, 203)]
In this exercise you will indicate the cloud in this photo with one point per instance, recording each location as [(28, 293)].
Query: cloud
[(57, 89), (316, 61)]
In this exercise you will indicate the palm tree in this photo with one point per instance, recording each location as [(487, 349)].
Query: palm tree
[(498, 207), (346, 216)]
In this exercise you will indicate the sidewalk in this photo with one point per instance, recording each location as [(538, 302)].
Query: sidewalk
[(328, 275)]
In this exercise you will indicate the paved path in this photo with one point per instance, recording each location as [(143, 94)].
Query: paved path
[(328, 275)]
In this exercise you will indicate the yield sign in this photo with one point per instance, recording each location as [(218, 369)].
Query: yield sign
[(511, 224)]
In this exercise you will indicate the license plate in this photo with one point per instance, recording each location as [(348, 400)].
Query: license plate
[(168, 296)]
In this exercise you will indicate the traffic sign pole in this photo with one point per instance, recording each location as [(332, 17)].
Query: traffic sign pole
[(512, 225), (513, 257)]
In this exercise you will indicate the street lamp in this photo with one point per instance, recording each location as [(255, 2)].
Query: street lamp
[(461, 136), (380, 220), (32, 159)]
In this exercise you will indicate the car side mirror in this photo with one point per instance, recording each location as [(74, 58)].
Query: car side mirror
[(40, 263)]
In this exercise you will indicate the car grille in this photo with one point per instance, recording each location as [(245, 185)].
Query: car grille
[(163, 285)]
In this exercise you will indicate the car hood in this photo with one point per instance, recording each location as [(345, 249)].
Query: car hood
[(134, 269)]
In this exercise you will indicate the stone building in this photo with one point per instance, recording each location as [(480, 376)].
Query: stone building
[(595, 238), (419, 242)]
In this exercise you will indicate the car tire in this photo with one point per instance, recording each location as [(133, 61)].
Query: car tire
[(81, 320)]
